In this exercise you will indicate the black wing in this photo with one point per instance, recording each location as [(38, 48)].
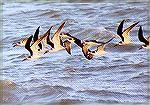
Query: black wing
[(120, 30), (48, 39), (77, 41), (109, 40), (141, 37), (35, 38), (130, 27), (95, 41), (27, 45)]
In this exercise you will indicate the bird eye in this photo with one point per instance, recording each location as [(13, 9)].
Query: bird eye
[(18, 42)]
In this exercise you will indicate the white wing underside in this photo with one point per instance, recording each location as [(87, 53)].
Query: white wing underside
[(56, 38), (126, 37)]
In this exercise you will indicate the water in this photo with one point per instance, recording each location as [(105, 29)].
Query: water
[(121, 76)]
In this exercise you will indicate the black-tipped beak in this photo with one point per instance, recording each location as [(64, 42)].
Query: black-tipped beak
[(140, 48), (24, 59), (14, 44), (69, 52), (116, 45), (46, 51)]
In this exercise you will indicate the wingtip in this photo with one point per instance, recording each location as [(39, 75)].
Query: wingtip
[(69, 52), (140, 27), (140, 31)]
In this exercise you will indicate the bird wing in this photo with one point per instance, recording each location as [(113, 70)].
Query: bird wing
[(33, 47), (67, 46), (128, 29), (27, 45), (76, 40), (100, 48), (56, 36), (48, 41), (35, 37), (120, 30), (109, 40), (85, 50), (141, 37)]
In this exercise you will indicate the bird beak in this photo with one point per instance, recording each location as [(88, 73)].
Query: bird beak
[(116, 45), (140, 48), (46, 51), (24, 59), (14, 44)]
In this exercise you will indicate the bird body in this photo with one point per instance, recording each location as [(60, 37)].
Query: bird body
[(34, 52)]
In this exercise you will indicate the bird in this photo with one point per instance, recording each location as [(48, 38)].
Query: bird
[(23, 42), (43, 43), (85, 45), (142, 39), (124, 34), (56, 43), (20, 43), (98, 52), (34, 52)]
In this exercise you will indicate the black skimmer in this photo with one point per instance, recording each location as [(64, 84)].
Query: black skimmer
[(124, 34), (142, 39), (56, 42), (98, 52), (20, 43), (34, 51), (23, 42), (43, 43), (85, 45)]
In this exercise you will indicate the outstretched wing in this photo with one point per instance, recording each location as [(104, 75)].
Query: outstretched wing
[(35, 38), (127, 30), (67, 46), (56, 37), (33, 47), (100, 48), (108, 41), (141, 37), (48, 39), (120, 30), (27, 45), (76, 40)]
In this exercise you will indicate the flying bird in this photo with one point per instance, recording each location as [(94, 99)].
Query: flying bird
[(34, 52), (124, 34)]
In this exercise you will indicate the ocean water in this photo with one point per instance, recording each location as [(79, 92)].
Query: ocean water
[(119, 77)]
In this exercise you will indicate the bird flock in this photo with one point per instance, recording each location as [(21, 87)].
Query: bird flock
[(39, 45)]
